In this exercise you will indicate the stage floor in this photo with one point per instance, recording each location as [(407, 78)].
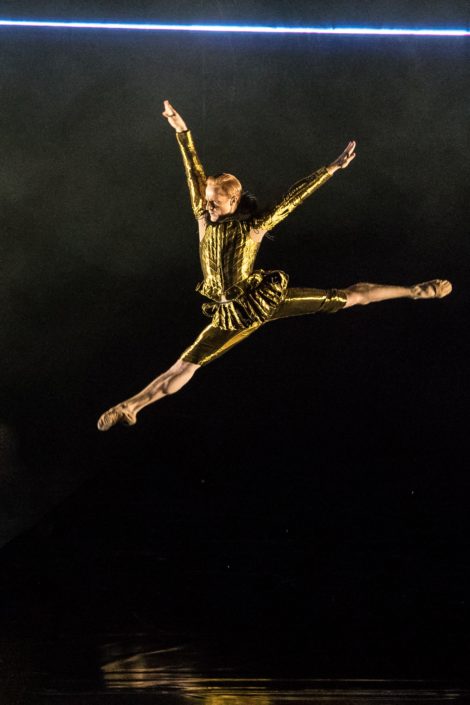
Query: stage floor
[(174, 669)]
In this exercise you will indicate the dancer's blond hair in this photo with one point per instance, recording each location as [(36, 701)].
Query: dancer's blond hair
[(228, 183)]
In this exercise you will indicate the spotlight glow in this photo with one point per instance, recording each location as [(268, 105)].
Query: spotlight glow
[(149, 27)]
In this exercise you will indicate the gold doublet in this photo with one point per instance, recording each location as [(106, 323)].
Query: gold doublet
[(242, 298)]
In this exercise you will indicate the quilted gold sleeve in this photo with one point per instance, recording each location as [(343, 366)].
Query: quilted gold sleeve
[(296, 195), (194, 173)]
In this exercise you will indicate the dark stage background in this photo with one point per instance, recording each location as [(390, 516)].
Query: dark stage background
[(307, 493)]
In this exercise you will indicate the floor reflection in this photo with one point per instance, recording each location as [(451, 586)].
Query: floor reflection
[(178, 671), (163, 669)]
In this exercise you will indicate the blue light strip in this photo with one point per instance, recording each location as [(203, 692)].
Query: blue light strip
[(236, 28)]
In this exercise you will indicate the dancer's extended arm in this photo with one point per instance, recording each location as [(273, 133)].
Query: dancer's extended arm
[(192, 166), (299, 192)]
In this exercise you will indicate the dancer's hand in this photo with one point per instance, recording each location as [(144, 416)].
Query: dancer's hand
[(343, 160), (174, 118)]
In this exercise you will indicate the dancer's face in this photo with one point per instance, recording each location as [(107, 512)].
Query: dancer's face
[(218, 203)]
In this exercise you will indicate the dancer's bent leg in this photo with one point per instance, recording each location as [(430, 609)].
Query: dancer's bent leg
[(210, 344)]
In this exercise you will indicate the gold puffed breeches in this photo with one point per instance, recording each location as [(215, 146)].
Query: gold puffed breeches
[(214, 341)]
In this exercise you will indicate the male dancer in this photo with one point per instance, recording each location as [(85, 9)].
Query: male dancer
[(241, 299)]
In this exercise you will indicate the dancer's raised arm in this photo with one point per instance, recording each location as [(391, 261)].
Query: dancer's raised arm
[(192, 166), (300, 191)]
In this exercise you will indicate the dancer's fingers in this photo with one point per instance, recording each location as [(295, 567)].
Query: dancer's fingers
[(170, 115), (169, 109), (346, 160), (346, 156)]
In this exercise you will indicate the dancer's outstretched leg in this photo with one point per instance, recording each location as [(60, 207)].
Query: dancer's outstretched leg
[(211, 343), (365, 293), (168, 382)]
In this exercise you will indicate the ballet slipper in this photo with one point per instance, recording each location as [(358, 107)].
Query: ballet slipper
[(433, 289), (117, 414)]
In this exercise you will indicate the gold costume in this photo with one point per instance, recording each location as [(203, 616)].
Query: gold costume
[(241, 298)]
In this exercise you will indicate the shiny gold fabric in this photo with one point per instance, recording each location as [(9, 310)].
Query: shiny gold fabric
[(194, 173), (250, 301), (241, 296), (296, 195), (214, 342)]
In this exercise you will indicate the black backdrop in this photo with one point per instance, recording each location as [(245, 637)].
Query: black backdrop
[(315, 474)]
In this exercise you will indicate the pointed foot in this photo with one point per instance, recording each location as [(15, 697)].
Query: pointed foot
[(433, 289), (117, 414)]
